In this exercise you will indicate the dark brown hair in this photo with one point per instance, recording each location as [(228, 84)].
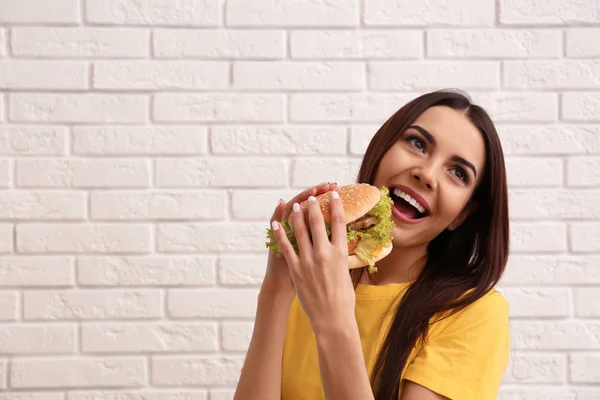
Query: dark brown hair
[(461, 265)]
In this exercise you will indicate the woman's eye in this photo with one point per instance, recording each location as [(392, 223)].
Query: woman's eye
[(461, 174), (417, 143)]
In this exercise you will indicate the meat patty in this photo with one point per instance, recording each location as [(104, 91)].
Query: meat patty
[(363, 222)]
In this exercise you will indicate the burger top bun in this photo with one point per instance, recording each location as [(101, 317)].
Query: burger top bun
[(357, 198)]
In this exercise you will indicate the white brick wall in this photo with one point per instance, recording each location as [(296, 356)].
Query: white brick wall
[(143, 146)]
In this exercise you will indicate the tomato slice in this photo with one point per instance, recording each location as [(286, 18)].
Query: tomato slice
[(353, 245)]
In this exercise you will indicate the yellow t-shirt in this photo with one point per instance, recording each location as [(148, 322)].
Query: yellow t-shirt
[(465, 357)]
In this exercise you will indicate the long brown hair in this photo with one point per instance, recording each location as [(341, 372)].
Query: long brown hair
[(461, 265)]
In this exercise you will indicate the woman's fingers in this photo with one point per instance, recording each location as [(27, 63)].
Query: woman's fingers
[(339, 236), (320, 240), (286, 247), (279, 210), (313, 191)]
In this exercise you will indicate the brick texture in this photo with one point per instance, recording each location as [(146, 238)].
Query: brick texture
[(144, 145)]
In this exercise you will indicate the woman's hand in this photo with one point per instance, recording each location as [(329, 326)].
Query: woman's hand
[(320, 270), (277, 277)]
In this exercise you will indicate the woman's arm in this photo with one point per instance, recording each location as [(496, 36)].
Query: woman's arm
[(261, 373)]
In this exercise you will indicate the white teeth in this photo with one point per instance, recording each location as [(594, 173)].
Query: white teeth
[(410, 200)]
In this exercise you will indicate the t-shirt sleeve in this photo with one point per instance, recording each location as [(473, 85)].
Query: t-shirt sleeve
[(466, 358)]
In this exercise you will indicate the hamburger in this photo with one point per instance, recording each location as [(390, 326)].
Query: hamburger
[(369, 224)]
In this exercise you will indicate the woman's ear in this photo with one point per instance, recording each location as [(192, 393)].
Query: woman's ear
[(469, 209)]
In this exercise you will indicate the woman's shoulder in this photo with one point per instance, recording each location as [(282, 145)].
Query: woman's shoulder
[(489, 312)]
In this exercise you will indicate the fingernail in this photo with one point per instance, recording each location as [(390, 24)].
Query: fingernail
[(279, 202), (312, 199), (296, 207), (275, 225), (334, 195)]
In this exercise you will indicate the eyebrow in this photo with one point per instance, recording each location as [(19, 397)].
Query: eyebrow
[(429, 137)]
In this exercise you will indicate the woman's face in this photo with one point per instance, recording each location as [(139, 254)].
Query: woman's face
[(432, 171)]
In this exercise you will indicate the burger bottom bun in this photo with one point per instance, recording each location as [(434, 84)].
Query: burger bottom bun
[(355, 262)]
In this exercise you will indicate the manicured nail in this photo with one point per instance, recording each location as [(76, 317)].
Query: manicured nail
[(279, 202), (312, 199), (334, 195), (296, 207), (275, 225)]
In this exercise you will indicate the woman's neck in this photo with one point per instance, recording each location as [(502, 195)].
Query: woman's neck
[(403, 264)]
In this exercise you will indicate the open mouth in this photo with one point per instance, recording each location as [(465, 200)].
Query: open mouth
[(406, 206)]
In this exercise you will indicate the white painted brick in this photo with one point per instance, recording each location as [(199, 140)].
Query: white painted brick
[(586, 302), (140, 140), (6, 238), (246, 270), (25, 271), (551, 12), (360, 137), (218, 107), (494, 43), (92, 304), (83, 238), (285, 75), (218, 44), (538, 237), (211, 303), (555, 335), (187, 371), (543, 302), (44, 205), (585, 237), (309, 172), (452, 12), (421, 75), (536, 368), (3, 374), (211, 237), (352, 107), (84, 42), (288, 140), (552, 270), (585, 368), (519, 107), (552, 74), (3, 43), (169, 75), (292, 13), (78, 372), (22, 140), (157, 205), (6, 173), (78, 108), (32, 396), (356, 44), (253, 204), (149, 337), (83, 173), (146, 271), (549, 139), (20, 74), (154, 12), (581, 106), (219, 394), (554, 204), (534, 172), (2, 107), (9, 310), (536, 392), (38, 338), (40, 11), (582, 42), (146, 394), (221, 172), (584, 171), (237, 335)]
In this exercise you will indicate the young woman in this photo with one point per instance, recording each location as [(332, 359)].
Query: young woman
[(429, 324)]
